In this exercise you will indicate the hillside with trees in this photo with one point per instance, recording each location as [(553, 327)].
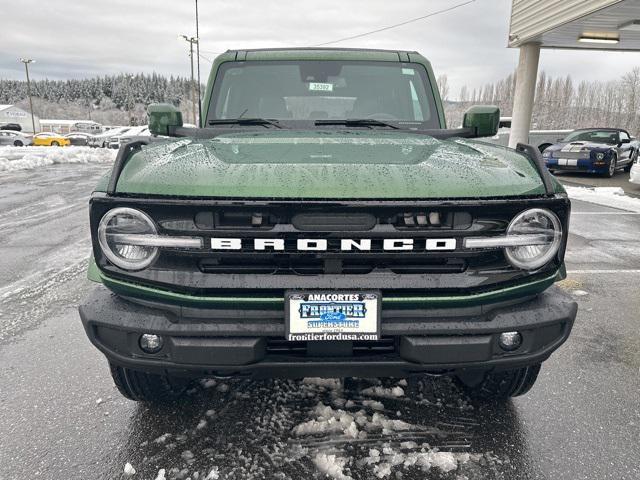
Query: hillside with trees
[(110, 100), (122, 99), (560, 103)]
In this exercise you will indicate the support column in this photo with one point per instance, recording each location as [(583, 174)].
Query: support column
[(526, 76)]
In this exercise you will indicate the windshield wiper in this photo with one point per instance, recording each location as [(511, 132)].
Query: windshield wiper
[(358, 122), (246, 121)]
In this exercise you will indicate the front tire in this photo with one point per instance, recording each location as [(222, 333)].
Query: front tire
[(147, 387), (18, 143), (500, 385), (55, 144), (612, 166)]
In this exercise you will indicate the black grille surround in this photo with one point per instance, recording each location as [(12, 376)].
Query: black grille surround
[(269, 273)]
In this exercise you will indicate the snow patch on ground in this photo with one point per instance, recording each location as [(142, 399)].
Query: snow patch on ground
[(28, 158), (395, 392), (607, 196)]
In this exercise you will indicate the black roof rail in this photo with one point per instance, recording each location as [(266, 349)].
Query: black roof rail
[(536, 157), (124, 154)]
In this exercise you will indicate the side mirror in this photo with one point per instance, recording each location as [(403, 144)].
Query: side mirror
[(484, 119), (625, 140), (163, 119)]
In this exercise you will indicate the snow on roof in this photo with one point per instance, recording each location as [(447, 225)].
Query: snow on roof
[(4, 107), (66, 122)]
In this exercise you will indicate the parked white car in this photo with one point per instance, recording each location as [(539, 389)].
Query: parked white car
[(541, 139), (634, 174), (102, 140), (126, 136), (14, 138)]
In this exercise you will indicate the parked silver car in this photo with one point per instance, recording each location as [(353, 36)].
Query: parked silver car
[(79, 138), (16, 139)]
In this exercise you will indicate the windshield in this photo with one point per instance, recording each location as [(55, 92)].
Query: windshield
[(296, 92), (610, 137)]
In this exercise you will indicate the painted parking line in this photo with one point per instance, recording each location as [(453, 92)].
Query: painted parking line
[(572, 272), (605, 213)]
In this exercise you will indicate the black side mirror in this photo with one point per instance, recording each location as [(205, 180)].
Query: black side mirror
[(625, 140)]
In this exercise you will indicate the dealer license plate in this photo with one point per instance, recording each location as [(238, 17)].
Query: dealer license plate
[(330, 316)]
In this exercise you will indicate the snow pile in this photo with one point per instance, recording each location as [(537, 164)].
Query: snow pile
[(331, 465), (607, 196), (28, 158), (395, 392), (129, 471)]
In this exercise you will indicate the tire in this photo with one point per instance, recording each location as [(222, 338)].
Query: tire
[(543, 147), (612, 166), (18, 143), (147, 387), (501, 385), (634, 157), (55, 144)]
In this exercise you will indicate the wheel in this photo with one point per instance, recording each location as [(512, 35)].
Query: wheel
[(55, 144), (612, 166), (634, 157), (500, 385), (543, 147), (18, 143), (147, 387)]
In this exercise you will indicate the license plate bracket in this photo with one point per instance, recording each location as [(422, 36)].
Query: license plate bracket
[(332, 315)]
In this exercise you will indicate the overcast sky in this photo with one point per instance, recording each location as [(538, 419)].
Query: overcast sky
[(83, 38)]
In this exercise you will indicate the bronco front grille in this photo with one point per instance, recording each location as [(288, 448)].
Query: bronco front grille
[(436, 263)]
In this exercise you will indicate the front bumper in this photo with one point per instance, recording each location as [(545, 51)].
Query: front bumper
[(578, 165), (239, 342)]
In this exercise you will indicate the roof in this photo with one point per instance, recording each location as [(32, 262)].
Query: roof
[(321, 53), (610, 129), (4, 107), (66, 122), (576, 24)]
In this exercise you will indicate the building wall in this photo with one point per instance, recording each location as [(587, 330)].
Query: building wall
[(17, 115), (530, 18)]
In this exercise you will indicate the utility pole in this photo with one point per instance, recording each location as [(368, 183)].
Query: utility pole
[(26, 62), (198, 60), (191, 41)]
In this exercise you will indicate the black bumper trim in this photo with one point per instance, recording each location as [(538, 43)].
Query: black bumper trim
[(427, 340)]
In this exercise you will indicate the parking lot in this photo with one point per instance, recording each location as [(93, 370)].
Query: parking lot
[(66, 420)]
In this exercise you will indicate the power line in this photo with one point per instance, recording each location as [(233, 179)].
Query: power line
[(412, 20)]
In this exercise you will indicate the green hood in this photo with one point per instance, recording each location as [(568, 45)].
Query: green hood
[(364, 164)]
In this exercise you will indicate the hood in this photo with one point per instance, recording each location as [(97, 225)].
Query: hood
[(577, 146), (328, 165)]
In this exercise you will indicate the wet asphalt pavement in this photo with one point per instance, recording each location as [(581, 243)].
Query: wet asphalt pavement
[(62, 418)]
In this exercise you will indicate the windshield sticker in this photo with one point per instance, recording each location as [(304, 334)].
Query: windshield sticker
[(408, 71), (321, 87)]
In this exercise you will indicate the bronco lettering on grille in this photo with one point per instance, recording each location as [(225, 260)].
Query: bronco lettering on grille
[(344, 244)]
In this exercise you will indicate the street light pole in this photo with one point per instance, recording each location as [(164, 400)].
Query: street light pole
[(198, 60), (26, 62), (191, 41)]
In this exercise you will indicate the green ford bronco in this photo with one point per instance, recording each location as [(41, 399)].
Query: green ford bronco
[(323, 221)]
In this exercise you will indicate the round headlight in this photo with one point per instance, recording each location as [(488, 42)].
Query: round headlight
[(541, 225), (546, 154), (118, 232)]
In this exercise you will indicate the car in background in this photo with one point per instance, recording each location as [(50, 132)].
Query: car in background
[(15, 139), (102, 140), (11, 126), (128, 135), (634, 173), (541, 139), (593, 150), (79, 138), (49, 139)]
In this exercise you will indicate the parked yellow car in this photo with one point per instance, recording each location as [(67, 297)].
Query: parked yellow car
[(46, 139)]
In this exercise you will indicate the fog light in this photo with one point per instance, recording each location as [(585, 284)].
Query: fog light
[(150, 343), (510, 341)]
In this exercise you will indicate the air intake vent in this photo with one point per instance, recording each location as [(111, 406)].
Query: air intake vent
[(333, 222)]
